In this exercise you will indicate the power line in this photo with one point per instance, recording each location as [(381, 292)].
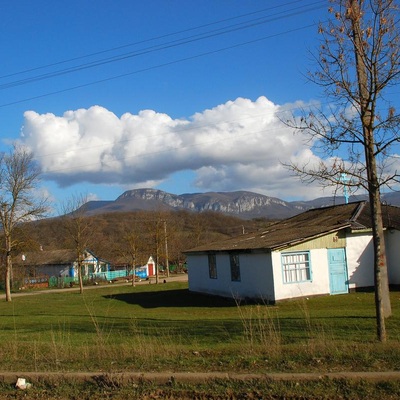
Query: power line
[(153, 67), (168, 45), (232, 28), (155, 38), (156, 48)]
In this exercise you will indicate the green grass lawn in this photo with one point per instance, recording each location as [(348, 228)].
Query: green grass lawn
[(166, 327)]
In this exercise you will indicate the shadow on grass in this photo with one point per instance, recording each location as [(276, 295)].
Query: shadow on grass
[(172, 298)]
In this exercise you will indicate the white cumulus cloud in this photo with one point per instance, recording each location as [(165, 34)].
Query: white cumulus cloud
[(237, 145)]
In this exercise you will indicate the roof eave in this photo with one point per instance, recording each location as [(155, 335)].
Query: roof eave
[(276, 247), (291, 243)]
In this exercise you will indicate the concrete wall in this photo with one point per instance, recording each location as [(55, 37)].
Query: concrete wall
[(262, 277), (392, 238), (319, 283), (255, 271), (360, 260)]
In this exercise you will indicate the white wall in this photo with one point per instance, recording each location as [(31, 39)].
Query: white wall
[(261, 273), (261, 276), (319, 283), (360, 260), (392, 238), (255, 272)]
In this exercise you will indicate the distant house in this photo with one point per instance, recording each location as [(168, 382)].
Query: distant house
[(121, 269), (61, 263), (321, 251), (150, 268)]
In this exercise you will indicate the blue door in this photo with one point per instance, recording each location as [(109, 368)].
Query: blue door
[(338, 280)]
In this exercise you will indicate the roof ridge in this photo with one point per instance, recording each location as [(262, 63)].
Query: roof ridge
[(358, 211)]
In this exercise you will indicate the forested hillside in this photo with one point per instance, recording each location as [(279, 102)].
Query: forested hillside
[(133, 236)]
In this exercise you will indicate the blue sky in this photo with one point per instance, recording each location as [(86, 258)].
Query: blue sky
[(179, 95)]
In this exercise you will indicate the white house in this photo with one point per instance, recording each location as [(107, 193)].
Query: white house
[(62, 262), (146, 270), (322, 251)]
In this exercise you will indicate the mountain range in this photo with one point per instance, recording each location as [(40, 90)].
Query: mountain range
[(243, 204)]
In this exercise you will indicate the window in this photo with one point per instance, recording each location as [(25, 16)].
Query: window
[(235, 267), (212, 266), (296, 267)]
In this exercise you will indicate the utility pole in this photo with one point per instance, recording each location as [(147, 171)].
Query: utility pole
[(166, 248)]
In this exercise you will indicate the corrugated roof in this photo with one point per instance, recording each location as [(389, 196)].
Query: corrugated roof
[(297, 229)]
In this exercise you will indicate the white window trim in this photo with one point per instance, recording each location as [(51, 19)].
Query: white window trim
[(298, 271)]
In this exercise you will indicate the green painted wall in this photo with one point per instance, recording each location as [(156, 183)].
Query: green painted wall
[(333, 240)]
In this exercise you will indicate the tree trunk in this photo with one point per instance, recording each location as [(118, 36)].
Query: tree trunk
[(8, 276), (166, 248), (80, 277), (366, 104), (382, 298)]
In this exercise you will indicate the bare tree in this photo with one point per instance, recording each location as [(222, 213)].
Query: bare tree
[(200, 228), (177, 240), (357, 64), (155, 229), (19, 177), (130, 246), (79, 229)]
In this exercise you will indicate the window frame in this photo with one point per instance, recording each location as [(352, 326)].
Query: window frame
[(301, 270), (234, 262), (212, 266)]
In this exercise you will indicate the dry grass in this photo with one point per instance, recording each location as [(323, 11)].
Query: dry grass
[(165, 327)]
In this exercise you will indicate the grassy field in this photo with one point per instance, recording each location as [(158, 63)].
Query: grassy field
[(165, 327)]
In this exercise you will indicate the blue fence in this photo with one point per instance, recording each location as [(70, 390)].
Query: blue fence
[(110, 275), (101, 276)]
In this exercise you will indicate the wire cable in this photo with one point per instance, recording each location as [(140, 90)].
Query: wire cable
[(156, 48), (156, 38), (153, 67)]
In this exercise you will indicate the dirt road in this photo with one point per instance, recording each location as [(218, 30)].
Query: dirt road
[(194, 377)]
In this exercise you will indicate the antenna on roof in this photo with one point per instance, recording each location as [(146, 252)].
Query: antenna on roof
[(343, 178)]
